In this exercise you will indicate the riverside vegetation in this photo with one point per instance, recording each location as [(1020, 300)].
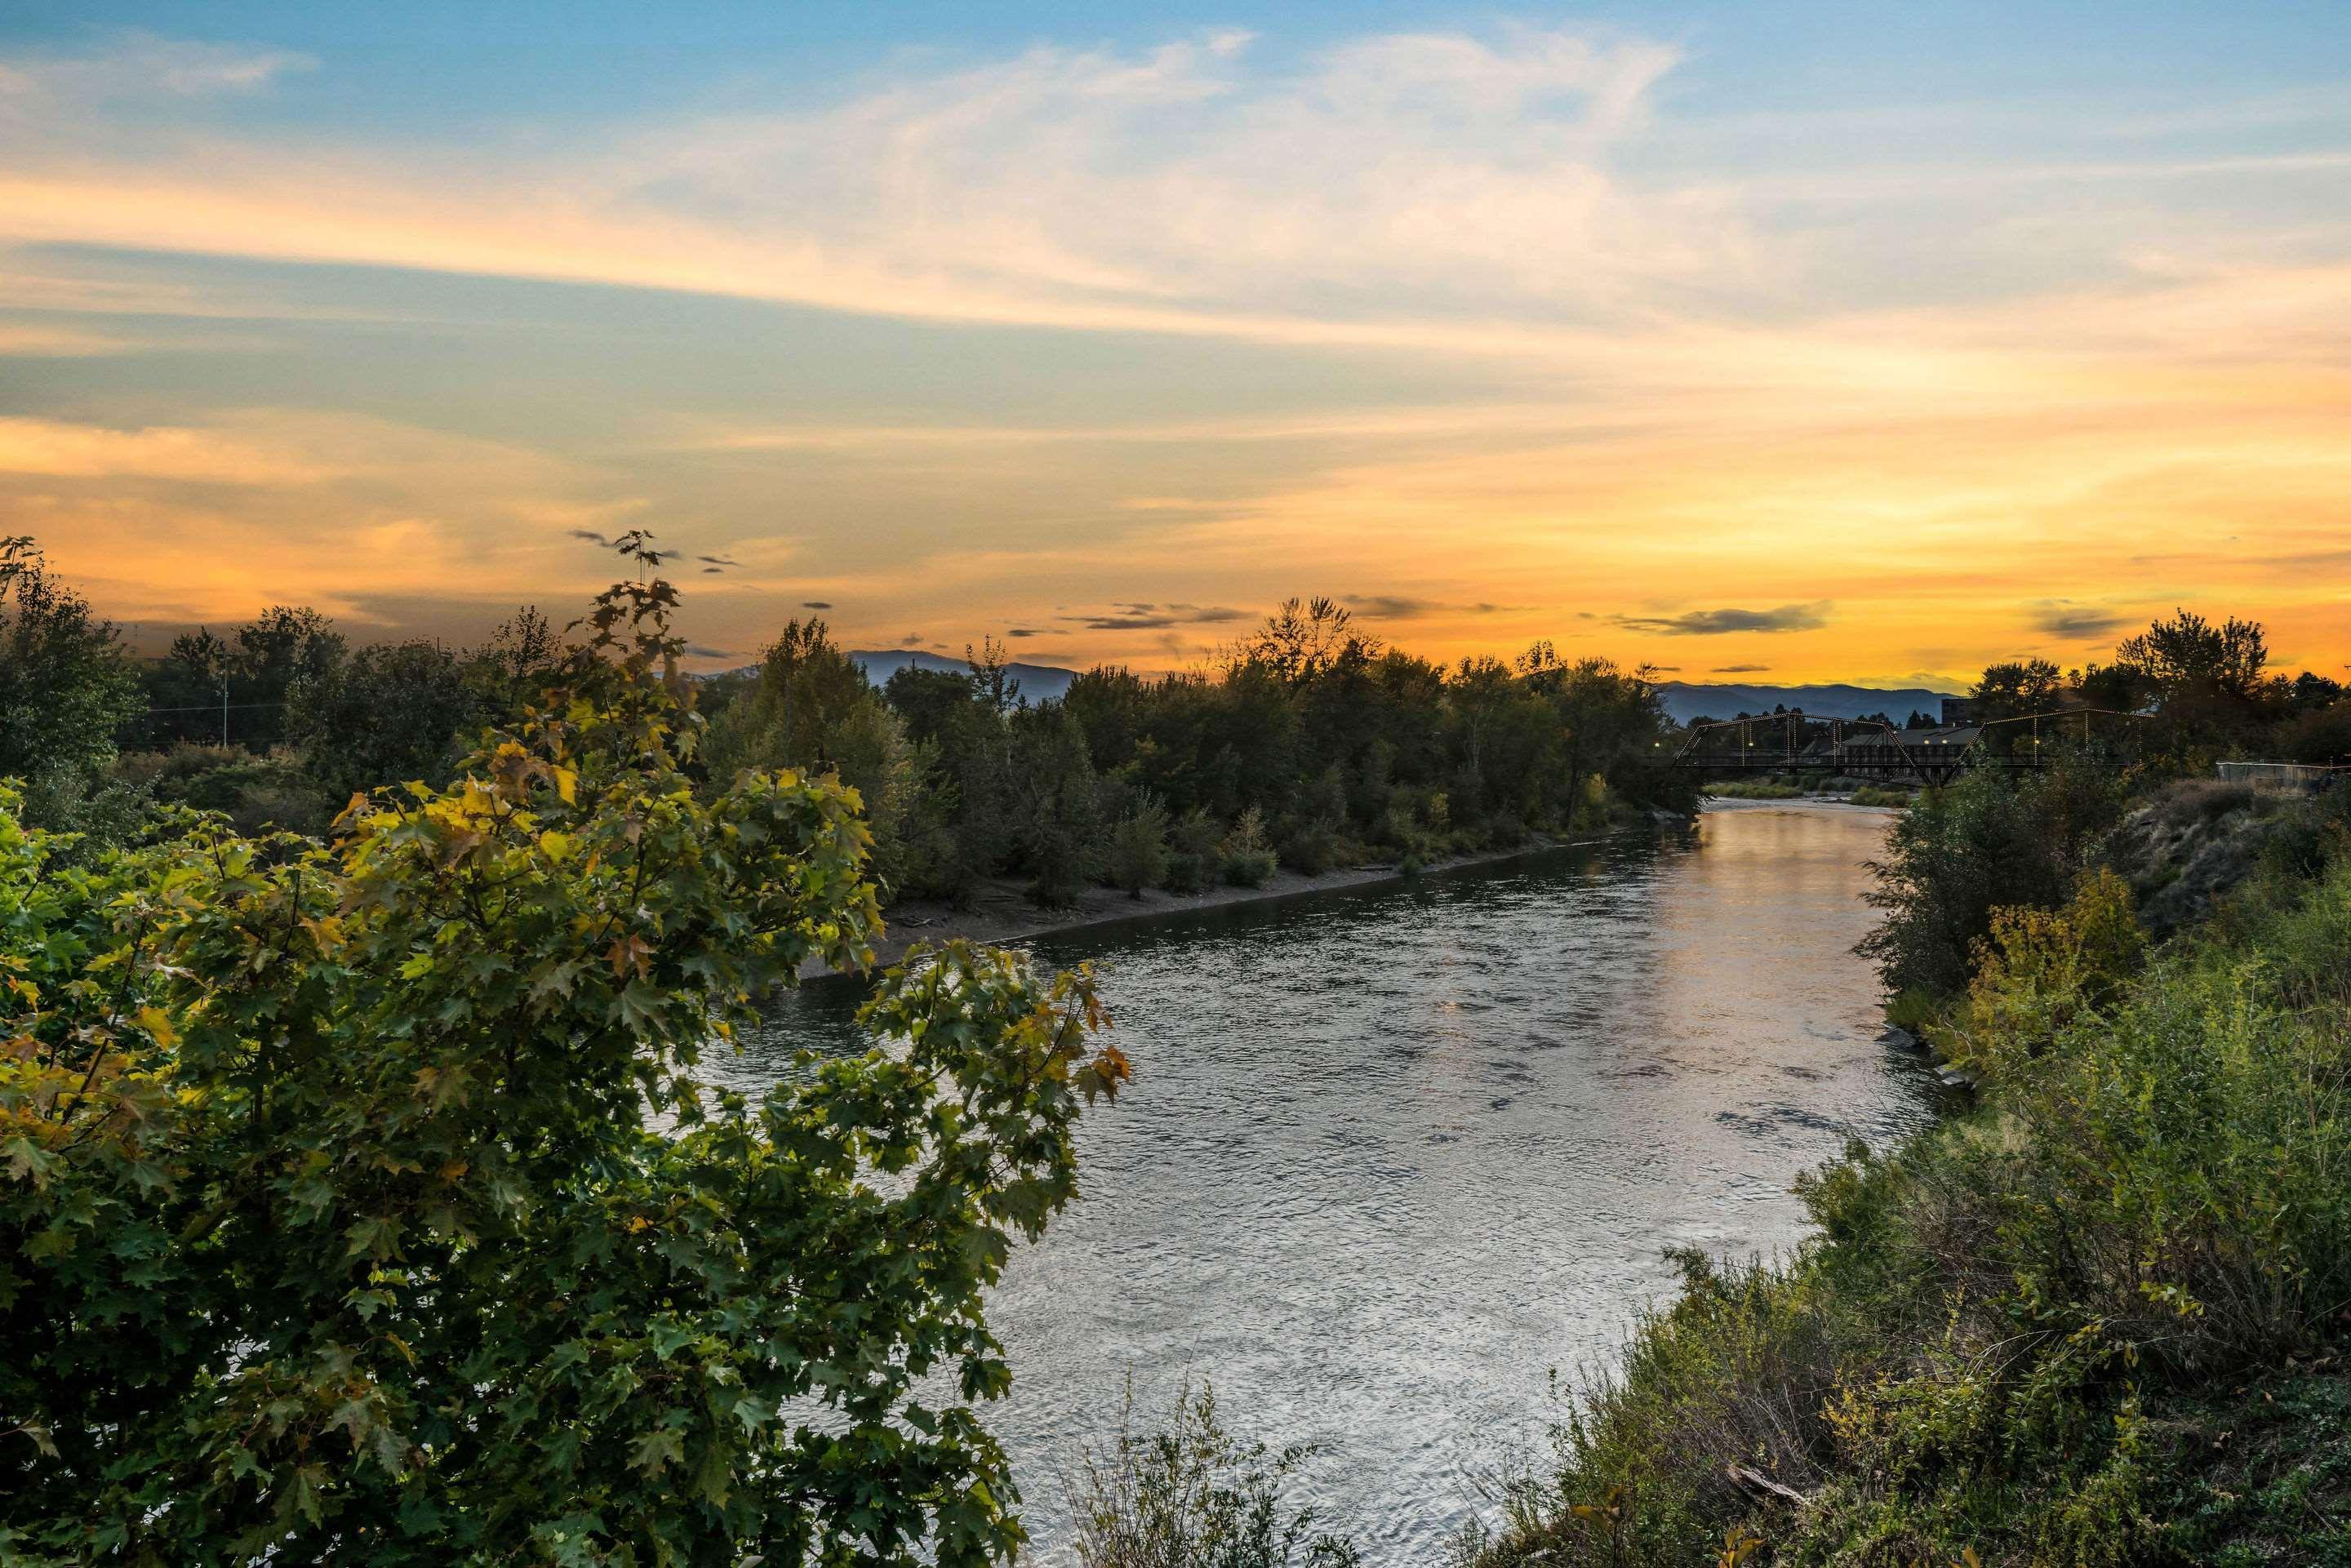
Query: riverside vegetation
[(2099, 1316), (359, 1198), (1309, 744), (361, 1203)]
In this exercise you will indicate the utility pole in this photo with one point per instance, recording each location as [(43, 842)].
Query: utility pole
[(224, 713)]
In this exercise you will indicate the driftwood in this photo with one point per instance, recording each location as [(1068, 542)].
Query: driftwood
[(1756, 1480)]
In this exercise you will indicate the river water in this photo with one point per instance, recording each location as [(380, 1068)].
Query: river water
[(1393, 1155)]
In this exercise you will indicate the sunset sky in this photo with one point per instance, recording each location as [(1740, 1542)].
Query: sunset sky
[(1859, 343)]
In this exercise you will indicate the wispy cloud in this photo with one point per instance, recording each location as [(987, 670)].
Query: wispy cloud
[(1051, 188), (138, 64), (1143, 616), (1642, 362), (2076, 623), (1391, 606), (49, 340), (1125, 623), (60, 449), (1405, 607), (1718, 622)]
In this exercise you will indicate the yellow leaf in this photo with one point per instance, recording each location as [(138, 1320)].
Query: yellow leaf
[(152, 1020), (567, 784)]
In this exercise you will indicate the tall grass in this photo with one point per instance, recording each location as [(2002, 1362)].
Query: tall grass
[(1188, 1494)]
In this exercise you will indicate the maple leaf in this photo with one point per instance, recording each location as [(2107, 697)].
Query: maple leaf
[(630, 949)]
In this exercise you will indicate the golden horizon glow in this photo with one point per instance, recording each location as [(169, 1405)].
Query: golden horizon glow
[(1107, 352)]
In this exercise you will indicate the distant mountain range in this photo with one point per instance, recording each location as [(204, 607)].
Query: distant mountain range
[(1039, 682), (1684, 700)]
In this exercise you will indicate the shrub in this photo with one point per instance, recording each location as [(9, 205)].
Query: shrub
[(2191, 800), (1913, 1010), (1244, 858), (1192, 859), (358, 1203), (255, 793), (1190, 1495), (1985, 842), (2310, 836), (2038, 969), (1313, 848), (1250, 868), (1138, 847)]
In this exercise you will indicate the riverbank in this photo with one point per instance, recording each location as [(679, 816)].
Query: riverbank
[(1393, 1152), (1003, 911), (2095, 1317)]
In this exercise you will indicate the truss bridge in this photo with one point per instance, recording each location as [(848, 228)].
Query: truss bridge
[(1868, 748)]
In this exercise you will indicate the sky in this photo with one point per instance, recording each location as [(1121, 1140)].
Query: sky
[(1754, 341)]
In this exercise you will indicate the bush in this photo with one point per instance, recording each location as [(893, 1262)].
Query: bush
[(255, 793), (357, 1202), (1192, 1496), (1192, 858), (1244, 859), (2191, 800), (1138, 847), (1914, 1010), (2310, 836), (1250, 868), (1312, 850), (1986, 842), (2038, 969)]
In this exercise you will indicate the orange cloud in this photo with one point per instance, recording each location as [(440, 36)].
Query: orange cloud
[(1672, 422)]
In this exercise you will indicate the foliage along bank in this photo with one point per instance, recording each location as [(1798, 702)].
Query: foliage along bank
[(1310, 745), (2097, 1316), (358, 1201)]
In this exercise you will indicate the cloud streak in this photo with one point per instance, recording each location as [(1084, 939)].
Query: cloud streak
[(1055, 188), (1721, 622), (2076, 623), (1628, 359), (139, 66)]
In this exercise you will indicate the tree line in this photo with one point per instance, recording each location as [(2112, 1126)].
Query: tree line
[(1310, 743), (2201, 689)]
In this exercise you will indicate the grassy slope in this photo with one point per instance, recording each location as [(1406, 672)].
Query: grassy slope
[(2097, 1318)]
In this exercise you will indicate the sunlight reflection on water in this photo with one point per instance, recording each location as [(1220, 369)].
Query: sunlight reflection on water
[(1393, 1154)]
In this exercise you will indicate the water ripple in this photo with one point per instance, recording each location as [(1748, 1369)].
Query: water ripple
[(1393, 1155)]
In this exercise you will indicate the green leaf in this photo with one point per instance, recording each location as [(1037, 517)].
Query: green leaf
[(656, 1450)]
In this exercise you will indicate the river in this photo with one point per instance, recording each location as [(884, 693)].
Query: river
[(1396, 1154)]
